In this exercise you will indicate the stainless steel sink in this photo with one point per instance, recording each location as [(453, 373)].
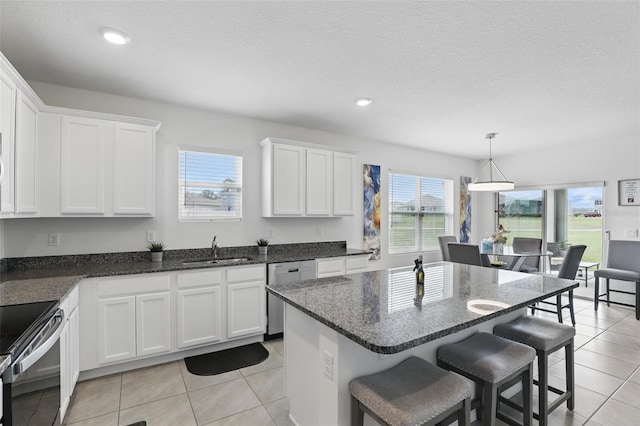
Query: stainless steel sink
[(209, 261)]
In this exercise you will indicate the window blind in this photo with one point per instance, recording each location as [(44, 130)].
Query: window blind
[(210, 185)]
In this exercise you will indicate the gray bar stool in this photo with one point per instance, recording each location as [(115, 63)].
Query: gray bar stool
[(623, 263), (413, 392), (491, 362), (545, 337)]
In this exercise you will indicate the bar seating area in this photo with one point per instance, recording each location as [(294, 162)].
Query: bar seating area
[(623, 264)]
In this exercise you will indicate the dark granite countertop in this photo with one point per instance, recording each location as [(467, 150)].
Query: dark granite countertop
[(36, 279), (380, 311)]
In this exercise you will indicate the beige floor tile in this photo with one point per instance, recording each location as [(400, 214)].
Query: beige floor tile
[(593, 321), (110, 419), (604, 363), (635, 377), (222, 400), (275, 360), (587, 330), (579, 341), (279, 411), (194, 382), (590, 379), (628, 326), (629, 393), (151, 384), (94, 398), (611, 314), (255, 417), (277, 344), (613, 350), (175, 410), (632, 342), (587, 401), (563, 417), (268, 385), (617, 413)]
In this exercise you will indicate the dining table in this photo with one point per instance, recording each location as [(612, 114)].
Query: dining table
[(508, 258)]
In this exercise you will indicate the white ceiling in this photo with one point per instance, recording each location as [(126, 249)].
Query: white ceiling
[(442, 74)]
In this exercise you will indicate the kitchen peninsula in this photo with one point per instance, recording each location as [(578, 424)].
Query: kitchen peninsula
[(343, 327)]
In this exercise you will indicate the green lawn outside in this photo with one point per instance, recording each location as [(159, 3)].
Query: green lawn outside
[(582, 230)]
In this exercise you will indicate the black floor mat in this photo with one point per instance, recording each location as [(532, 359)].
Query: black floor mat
[(226, 360)]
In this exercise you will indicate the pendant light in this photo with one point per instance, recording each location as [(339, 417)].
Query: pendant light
[(491, 185)]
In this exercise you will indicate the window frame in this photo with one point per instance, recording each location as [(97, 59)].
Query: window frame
[(448, 214), (180, 183)]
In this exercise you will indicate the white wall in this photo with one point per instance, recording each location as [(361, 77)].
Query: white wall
[(605, 161), (28, 237)]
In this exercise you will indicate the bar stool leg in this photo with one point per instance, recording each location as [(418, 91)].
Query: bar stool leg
[(527, 392), (489, 404), (357, 414), (464, 416), (597, 294), (543, 385), (608, 294), (570, 374)]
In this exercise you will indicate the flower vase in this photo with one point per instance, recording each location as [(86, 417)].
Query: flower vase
[(262, 250), (156, 256), (498, 248)]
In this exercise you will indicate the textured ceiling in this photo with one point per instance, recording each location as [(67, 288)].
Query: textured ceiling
[(442, 74)]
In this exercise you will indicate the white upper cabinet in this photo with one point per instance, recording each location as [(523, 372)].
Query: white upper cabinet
[(305, 180), (19, 110), (133, 169), (7, 131), (107, 167), (82, 165)]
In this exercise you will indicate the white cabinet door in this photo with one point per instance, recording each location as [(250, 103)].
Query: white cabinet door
[(198, 319), (25, 154), (133, 169), (319, 187), (82, 166), (245, 309), (65, 395), (330, 267), (7, 129), (116, 329), (153, 323), (355, 264), (288, 187), (344, 175)]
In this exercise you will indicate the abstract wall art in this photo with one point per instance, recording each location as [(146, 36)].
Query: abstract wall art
[(372, 210), (465, 209)]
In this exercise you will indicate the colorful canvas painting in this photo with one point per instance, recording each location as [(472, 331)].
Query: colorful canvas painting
[(465, 209), (372, 210)]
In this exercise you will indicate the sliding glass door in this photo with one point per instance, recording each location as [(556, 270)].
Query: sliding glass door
[(521, 213)]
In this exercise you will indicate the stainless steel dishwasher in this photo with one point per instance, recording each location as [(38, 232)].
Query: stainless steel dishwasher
[(282, 273)]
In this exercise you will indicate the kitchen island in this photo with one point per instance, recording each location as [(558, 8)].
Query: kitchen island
[(340, 328)]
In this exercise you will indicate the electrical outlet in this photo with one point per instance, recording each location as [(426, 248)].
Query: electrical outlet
[(328, 365), (54, 240), (268, 233), (319, 231), (631, 232), (151, 236)]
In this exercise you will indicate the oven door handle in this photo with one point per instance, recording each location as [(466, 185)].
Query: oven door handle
[(47, 337)]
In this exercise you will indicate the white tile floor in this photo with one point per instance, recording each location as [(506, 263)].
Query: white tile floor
[(607, 348)]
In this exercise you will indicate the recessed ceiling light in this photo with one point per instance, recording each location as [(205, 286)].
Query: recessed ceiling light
[(114, 36), (363, 101)]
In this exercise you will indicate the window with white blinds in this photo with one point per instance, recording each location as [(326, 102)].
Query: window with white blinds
[(420, 210), (210, 186), (438, 285)]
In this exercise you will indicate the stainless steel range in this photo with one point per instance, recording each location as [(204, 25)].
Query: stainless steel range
[(30, 332)]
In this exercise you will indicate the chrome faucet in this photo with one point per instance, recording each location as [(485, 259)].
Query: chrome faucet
[(214, 248)]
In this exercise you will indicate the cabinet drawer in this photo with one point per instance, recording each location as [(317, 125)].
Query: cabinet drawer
[(191, 279), (134, 285), (330, 266), (255, 273), (353, 264)]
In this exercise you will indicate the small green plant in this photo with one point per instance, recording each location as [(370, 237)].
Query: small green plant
[(262, 242), (155, 247)]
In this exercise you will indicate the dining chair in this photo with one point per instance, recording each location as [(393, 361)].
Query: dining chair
[(622, 264), (443, 240), (524, 245), (465, 253), (568, 270), (556, 255)]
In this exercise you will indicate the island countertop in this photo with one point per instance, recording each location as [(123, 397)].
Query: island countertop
[(381, 311)]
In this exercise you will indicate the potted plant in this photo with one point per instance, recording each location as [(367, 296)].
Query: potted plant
[(156, 251), (262, 245)]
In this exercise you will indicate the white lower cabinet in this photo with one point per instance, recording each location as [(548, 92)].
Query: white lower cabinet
[(335, 266), (140, 316), (69, 351), (198, 308)]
